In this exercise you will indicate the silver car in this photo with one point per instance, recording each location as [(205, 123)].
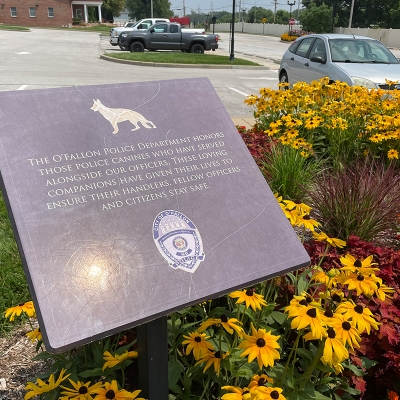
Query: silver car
[(356, 60)]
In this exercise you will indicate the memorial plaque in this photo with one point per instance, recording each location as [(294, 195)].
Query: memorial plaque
[(134, 200)]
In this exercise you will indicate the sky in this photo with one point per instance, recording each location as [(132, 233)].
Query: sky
[(206, 6)]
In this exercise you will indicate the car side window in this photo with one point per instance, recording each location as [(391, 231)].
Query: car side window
[(304, 46), (294, 45), (173, 28), (161, 28), (318, 49)]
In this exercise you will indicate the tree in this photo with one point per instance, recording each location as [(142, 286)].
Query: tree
[(112, 8), (282, 17), (139, 9), (317, 19), (256, 14)]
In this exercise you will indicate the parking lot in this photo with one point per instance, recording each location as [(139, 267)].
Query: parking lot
[(46, 58)]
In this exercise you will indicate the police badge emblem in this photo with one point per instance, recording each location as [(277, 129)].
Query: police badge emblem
[(178, 240)]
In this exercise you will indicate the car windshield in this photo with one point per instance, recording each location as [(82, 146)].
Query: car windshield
[(353, 50)]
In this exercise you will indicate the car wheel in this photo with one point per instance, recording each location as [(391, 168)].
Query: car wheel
[(283, 79), (136, 47), (197, 48)]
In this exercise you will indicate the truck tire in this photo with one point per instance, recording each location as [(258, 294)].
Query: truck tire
[(197, 48), (136, 47)]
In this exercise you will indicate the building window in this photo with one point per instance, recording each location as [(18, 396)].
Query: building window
[(50, 12), (79, 13), (32, 11), (13, 11)]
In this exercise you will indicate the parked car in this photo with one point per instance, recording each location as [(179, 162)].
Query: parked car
[(167, 36), (142, 24), (356, 60)]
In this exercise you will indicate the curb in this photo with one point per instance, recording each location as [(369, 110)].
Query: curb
[(211, 66)]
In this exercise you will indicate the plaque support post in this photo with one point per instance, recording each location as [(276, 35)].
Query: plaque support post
[(152, 339)]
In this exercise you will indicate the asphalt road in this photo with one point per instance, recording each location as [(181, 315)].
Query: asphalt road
[(45, 58)]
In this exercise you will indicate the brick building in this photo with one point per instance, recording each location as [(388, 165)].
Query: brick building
[(52, 13)]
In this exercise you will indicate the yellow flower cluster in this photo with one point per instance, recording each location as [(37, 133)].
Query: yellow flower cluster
[(337, 112), (287, 37)]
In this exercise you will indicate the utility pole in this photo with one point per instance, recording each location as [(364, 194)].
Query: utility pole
[(198, 15), (184, 9), (275, 4), (351, 13), (232, 55)]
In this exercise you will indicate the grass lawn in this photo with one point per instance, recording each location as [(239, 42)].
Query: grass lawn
[(178, 57), (13, 284), (13, 28)]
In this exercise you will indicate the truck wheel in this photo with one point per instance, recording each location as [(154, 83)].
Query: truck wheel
[(136, 47), (197, 48)]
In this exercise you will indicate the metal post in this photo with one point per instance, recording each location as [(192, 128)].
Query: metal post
[(232, 55), (152, 340), (351, 13), (290, 13), (151, 8)]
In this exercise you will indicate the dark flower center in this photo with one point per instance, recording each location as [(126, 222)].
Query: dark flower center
[(110, 394), (312, 312), (249, 292), (224, 318), (331, 333), (360, 277), (358, 264), (378, 285), (297, 201), (246, 391), (306, 217), (328, 313), (359, 309), (274, 394), (336, 298), (260, 342), (303, 302), (346, 326), (308, 299), (261, 381), (217, 354), (197, 339), (82, 390), (21, 304)]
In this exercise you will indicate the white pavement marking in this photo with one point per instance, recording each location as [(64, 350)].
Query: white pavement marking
[(23, 87), (238, 91), (24, 52), (263, 77)]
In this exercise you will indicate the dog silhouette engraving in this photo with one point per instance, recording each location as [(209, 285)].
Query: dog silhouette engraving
[(117, 115)]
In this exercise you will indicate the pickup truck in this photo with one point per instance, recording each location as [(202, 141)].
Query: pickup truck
[(167, 36)]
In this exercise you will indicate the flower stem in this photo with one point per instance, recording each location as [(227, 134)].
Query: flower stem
[(311, 367)]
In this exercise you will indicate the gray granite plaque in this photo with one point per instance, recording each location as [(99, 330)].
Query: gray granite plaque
[(131, 201)]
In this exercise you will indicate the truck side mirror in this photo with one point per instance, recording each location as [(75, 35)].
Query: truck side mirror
[(152, 30)]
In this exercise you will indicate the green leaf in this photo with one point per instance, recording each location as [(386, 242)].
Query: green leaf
[(355, 370), (44, 355), (304, 353), (176, 389), (279, 317), (91, 372), (174, 372), (244, 371), (367, 363)]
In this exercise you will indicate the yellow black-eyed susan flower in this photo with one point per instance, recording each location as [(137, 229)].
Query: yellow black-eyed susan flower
[(345, 330), (250, 297), (328, 278), (333, 346), (229, 324), (212, 358), (361, 316), (307, 222), (363, 283), (393, 154), (236, 393), (113, 360), (268, 393), (28, 308), (323, 237), (309, 317), (80, 390), (40, 387), (259, 380), (197, 342), (383, 291), (110, 391), (261, 345), (35, 335), (353, 264)]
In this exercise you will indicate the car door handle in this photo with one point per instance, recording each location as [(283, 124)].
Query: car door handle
[(292, 58), (165, 35), (307, 64)]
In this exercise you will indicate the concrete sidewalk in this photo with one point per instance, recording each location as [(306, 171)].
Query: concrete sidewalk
[(248, 122)]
